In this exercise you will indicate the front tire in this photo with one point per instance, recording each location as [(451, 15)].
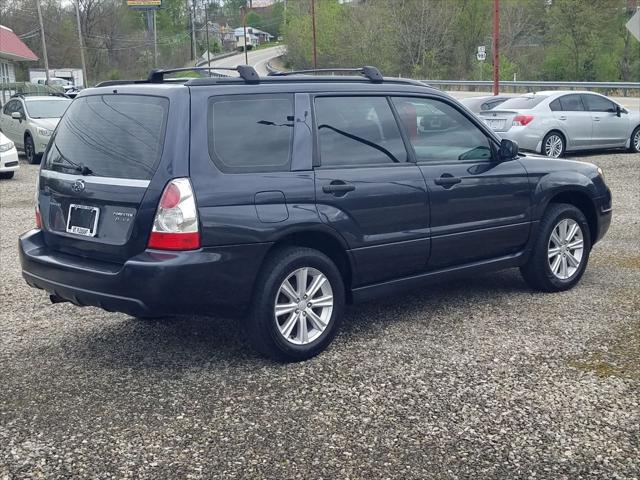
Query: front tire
[(298, 305), (30, 150), (634, 145), (554, 145), (561, 250)]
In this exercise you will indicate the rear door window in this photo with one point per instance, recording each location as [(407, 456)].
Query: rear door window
[(571, 103), (358, 131), (119, 136), (251, 133)]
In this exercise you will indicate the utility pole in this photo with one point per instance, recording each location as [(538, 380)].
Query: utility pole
[(192, 25), (44, 42), (84, 65), (244, 26), (155, 41), (496, 47), (206, 29), (313, 26)]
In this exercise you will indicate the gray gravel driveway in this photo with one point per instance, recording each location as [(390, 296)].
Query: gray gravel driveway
[(481, 378)]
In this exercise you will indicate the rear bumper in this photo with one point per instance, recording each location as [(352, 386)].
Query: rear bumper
[(526, 137), (217, 280)]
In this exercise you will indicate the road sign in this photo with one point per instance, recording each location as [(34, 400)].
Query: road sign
[(633, 25), (482, 49), (481, 56)]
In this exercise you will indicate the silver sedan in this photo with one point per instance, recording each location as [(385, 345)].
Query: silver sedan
[(555, 122)]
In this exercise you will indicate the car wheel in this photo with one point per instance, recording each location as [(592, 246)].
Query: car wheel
[(553, 145), (298, 305), (30, 150), (6, 175), (561, 251), (634, 146)]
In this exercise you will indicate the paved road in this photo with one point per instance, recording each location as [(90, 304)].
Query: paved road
[(258, 59)]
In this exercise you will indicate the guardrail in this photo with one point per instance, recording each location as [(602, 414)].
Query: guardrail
[(539, 85)]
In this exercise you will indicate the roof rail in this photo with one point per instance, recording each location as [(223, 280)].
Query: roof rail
[(372, 73), (247, 72)]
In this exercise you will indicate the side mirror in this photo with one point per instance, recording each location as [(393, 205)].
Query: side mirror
[(620, 110), (16, 115), (508, 149)]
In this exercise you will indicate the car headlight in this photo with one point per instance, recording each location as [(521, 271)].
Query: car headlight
[(5, 147), (44, 132)]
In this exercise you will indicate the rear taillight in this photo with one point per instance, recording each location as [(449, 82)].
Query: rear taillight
[(175, 226), (522, 120), (38, 218)]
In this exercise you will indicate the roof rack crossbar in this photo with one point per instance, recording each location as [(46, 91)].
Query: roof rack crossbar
[(372, 73), (247, 72)]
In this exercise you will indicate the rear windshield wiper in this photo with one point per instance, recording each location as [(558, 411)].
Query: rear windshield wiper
[(77, 166)]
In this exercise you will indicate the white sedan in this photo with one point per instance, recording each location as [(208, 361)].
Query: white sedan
[(8, 157)]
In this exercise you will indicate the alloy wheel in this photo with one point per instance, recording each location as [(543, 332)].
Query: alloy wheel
[(303, 306), (553, 146), (565, 249), (636, 140)]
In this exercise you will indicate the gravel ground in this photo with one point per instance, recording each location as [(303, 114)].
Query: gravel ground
[(481, 378)]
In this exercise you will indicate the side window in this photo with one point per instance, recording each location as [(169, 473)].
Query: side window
[(9, 107), (555, 105), (571, 103), (357, 131), (251, 133), (19, 107), (594, 103), (439, 132)]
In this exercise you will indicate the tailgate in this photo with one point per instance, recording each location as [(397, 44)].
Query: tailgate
[(96, 173)]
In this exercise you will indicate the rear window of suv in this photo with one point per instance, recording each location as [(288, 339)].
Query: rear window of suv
[(251, 133), (119, 136)]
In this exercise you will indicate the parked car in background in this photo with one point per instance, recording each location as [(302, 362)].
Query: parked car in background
[(8, 157), (555, 122), (486, 102), (29, 120)]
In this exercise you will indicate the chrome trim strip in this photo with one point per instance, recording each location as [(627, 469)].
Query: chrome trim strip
[(122, 182)]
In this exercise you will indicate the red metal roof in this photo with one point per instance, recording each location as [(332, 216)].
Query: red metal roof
[(13, 48)]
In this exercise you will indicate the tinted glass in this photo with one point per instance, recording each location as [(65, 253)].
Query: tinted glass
[(523, 103), (113, 135), (594, 103), (251, 133), (9, 107), (358, 131), (47, 108), (571, 103), (555, 105), (439, 132)]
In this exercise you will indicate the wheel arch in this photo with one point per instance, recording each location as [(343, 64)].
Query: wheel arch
[(559, 130), (582, 201), (325, 241)]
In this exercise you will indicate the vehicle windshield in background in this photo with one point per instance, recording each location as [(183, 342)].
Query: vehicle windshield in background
[(111, 136), (522, 103), (47, 108)]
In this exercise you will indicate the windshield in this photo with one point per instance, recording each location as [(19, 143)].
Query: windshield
[(118, 136), (47, 108), (523, 103)]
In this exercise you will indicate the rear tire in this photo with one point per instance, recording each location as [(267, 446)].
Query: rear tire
[(634, 145), (307, 316), (554, 144), (560, 254), (30, 150), (6, 175)]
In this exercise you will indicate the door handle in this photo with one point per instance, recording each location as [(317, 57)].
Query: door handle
[(338, 187), (596, 119), (563, 118), (447, 180)]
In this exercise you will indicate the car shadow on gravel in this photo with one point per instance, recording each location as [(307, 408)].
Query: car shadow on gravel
[(184, 343)]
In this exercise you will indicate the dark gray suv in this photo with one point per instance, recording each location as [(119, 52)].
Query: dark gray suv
[(281, 198)]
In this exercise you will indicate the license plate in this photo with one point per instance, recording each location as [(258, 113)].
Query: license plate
[(83, 220), (495, 124)]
